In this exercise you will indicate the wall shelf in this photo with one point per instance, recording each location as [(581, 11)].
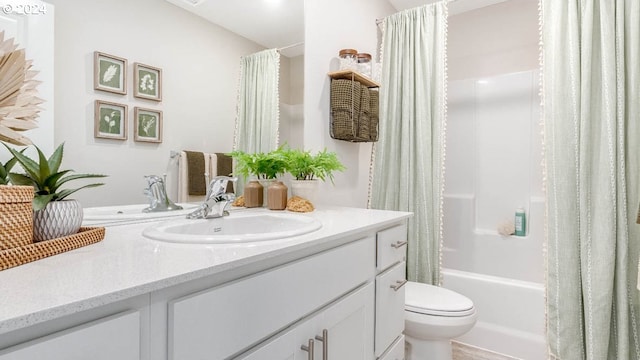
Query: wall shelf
[(353, 75)]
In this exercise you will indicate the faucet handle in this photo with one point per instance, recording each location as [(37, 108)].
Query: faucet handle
[(218, 184)]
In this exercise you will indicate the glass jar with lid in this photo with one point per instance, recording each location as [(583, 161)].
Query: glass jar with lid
[(348, 59), (364, 64)]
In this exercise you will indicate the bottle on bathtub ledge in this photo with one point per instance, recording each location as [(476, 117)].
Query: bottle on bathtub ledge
[(521, 222)]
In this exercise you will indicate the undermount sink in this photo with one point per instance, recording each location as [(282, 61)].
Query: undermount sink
[(247, 226), (131, 212)]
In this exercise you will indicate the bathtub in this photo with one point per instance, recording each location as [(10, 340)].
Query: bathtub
[(510, 313)]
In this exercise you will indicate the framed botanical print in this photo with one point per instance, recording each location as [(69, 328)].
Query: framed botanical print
[(109, 73), (147, 82), (147, 125), (110, 120)]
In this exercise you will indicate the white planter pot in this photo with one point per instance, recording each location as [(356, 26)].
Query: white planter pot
[(306, 189), (57, 219)]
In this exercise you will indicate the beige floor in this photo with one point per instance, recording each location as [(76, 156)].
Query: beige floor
[(467, 352)]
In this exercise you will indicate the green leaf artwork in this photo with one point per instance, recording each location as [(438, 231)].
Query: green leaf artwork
[(147, 125), (110, 120), (148, 82), (110, 74)]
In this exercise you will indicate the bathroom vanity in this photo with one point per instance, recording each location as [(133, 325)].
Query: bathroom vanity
[(335, 293)]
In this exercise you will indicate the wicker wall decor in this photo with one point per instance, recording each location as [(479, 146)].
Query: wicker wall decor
[(18, 94)]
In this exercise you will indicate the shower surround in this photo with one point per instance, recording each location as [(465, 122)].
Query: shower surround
[(493, 166)]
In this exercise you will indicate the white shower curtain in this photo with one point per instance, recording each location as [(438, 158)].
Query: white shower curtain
[(408, 159), (591, 90), (258, 114)]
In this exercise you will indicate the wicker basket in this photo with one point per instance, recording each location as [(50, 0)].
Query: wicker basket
[(354, 111), (40, 250), (16, 216)]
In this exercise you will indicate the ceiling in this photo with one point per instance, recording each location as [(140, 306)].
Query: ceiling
[(280, 23), (270, 23)]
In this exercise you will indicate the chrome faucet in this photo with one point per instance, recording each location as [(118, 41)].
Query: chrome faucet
[(217, 199), (157, 194)]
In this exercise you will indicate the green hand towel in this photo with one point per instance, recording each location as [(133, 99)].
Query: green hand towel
[(195, 172), (225, 168)]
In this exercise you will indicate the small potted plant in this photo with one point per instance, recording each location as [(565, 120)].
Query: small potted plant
[(264, 167), (307, 169), (54, 215)]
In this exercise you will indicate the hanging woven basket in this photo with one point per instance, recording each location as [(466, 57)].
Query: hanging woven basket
[(16, 216)]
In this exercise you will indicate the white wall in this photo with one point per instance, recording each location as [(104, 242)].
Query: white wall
[(493, 40), (331, 25), (200, 63), (34, 33), (292, 101)]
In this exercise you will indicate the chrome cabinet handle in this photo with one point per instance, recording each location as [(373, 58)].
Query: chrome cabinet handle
[(324, 339), (399, 244), (309, 349), (399, 284)]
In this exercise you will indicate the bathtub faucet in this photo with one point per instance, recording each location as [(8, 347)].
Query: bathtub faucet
[(157, 194), (217, 199)]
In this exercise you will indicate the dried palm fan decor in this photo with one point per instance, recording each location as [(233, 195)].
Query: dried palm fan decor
[(18, 94), (18, 112)]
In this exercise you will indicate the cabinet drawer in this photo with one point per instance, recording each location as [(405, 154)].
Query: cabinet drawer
[(396, 351), (389, 307), (391, 246), (115, 337), (219, 322)]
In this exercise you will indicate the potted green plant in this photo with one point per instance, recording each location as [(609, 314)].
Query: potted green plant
[(307, 169), (16, 214), (54, 215), (264, 167)]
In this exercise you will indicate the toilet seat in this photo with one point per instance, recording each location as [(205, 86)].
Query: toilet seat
[(436, 301)]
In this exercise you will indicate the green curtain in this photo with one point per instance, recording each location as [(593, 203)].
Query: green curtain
[(591, 90), (408, 158), (258, 106)]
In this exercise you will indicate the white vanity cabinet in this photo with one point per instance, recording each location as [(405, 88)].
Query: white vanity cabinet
[(391, 247), (337, 295), (220, 322), (114, 337), (343, 330)]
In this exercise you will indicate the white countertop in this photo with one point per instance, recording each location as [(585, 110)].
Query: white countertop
[(126, 264)]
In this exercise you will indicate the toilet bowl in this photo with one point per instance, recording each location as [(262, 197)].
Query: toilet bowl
[(433, 316)]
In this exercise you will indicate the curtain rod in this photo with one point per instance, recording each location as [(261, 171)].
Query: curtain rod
[(290, 46), (379, 21)]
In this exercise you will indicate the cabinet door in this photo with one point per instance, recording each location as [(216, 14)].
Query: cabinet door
[(115, 337), (389, 306), (285, 346), (396, 350), (219, 322), (347, 327)]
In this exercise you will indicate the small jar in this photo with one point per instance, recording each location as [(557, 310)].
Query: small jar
[(253, 194), (364, 64), (348, 60), (277, 198)]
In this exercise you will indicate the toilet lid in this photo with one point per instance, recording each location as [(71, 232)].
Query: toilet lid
[(434, 300)]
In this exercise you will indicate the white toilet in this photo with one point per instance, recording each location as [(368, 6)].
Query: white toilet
[(432, 317)]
